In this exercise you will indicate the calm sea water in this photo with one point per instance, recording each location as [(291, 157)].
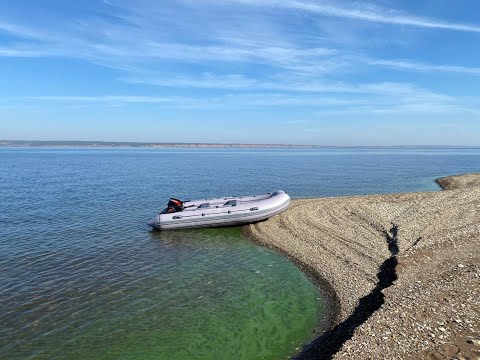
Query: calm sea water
[(82, 277)]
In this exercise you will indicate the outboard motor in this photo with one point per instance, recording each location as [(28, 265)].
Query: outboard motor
[(175, 205)]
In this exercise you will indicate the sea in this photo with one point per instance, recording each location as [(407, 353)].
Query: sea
[(82, 276)]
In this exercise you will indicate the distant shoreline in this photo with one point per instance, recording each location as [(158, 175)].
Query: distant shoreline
[(105, 144), (153, 145)]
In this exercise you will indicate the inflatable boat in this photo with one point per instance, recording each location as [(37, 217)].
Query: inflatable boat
[(227, 211)]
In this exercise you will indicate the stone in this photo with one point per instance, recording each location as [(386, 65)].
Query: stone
[(474, 341)]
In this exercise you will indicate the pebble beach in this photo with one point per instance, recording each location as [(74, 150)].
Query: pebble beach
[(401, 271)]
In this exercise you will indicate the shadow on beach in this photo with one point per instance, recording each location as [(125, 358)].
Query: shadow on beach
[(331, 341)]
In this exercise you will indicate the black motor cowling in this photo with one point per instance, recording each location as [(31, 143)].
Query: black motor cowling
[(176, 204)]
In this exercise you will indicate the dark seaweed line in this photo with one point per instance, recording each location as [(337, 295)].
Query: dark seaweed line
[(331, 341)]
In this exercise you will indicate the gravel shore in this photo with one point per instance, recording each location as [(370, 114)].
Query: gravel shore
[(401, 270)]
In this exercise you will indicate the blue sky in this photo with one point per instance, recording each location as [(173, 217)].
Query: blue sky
[(241, 71)]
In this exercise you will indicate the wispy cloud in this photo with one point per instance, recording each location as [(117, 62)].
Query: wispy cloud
[(239, 82), (124, 50), (108, 99), (245, 55), (364, 12), (205, 81), (21, 31), (375, 98), (291, 84), (23, 52), (226, 100), (271, 54), (415, 66), (140, 42)]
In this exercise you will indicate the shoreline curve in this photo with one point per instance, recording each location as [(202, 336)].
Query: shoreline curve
[(382, 303)]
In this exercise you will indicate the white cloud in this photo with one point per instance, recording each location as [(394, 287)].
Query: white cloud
[(137, 53), (108, 99), (375, 98), (409, 65), (364, 12), (292, 84), (280, 82), (142, 41), (239, 51), (21, 31), (271, 55), (23, 52)]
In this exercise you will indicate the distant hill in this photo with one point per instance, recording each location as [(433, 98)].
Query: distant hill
[(100, 144)]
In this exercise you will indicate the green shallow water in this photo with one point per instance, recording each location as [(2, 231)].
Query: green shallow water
[(213, 296), (263, 309)]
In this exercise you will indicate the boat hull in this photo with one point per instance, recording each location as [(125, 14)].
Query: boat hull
[(248, 210)]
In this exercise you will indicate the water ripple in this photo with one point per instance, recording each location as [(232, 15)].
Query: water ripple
[(82, 277)]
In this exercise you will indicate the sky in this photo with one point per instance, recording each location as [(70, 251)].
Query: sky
[(241, 71)]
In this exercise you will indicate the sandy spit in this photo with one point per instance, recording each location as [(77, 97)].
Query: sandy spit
[(402, 271)]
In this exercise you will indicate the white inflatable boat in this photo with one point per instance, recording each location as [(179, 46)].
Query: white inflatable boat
[(227, 211)]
